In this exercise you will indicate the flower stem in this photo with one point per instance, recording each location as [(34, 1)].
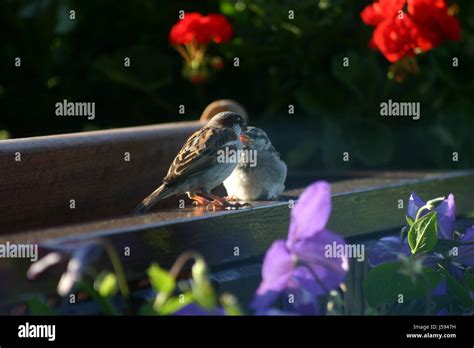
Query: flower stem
[(118, 269), (182, 51), (422, 209), (431, 204), (181, 261)]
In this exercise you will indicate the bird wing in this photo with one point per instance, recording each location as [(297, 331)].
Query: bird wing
[(200, 151)]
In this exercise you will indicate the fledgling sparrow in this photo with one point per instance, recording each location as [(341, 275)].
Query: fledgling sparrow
[(196, 169), (262, 180)]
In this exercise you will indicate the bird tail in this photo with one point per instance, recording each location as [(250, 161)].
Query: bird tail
[(160, 193)]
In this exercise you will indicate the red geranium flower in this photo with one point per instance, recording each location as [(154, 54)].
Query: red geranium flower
[(396, 38), (434, 21), (218, 28), (201, 29), (381, 10), (406, 27), (190, 37), (189, 29)]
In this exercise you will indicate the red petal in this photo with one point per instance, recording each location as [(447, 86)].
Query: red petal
[(434, 22), (381, 10), (218, 28), (395, 38)]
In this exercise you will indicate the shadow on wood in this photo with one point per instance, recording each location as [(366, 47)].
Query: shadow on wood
[(40, 176)]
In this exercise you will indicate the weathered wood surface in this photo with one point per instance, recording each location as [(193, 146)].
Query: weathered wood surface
[(91, 169), (361, 207), (88, 167)]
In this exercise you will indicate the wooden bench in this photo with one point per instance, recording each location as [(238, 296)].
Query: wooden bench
[(91, 168)]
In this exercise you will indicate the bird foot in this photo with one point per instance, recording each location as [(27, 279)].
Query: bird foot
[(209, 204), (219, 203), (199, 201), (216, 205), (237, 205), (231, 198), (233, 203)]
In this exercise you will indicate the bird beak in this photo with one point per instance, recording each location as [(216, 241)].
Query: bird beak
[(245, 139)]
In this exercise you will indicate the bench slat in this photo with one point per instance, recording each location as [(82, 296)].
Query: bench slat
[(88, 167)]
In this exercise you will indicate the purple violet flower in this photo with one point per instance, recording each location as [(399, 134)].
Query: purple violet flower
[(193, 309), (466, 252), (446, 214), (387, 249), (298, 266)]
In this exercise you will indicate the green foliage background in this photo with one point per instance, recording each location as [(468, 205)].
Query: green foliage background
[(282, 62)]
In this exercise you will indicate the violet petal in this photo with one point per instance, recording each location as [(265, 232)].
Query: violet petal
[(277, 267), (414, 204), (387, 249), (311, 213), (446, 218), (320, 254), (195, 309), (466, 253)]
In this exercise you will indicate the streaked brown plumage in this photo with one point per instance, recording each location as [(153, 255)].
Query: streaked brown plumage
[(195, 170)]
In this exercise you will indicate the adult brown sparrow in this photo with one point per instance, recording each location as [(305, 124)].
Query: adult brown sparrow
[(201, 164), (260, 174)]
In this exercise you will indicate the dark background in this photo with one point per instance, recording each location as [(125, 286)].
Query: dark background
[(282, 62)]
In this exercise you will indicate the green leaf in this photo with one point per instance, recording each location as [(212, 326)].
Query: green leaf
[(104, 302), (4, 134), (174, 304), (230, 305), (147, 309), (291, 28), (199, 271), (106, 284), (202, 289), (409, 220), (161, 280), (469, 278), (423, 234), (227, 8), (384, 283), (457, 290), (204, 295), (39, 306)]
